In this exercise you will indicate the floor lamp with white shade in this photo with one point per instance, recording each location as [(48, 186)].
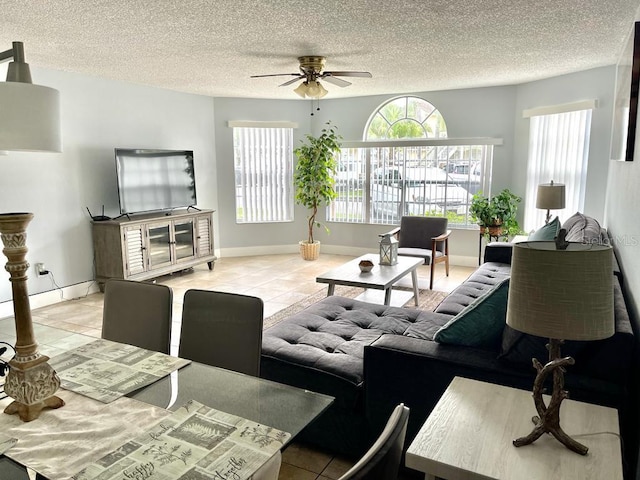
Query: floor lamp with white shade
[(30, 122)]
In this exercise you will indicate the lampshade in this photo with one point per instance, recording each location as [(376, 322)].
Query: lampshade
[(311, 89), (561, 294), (550, 196), (29, 118)]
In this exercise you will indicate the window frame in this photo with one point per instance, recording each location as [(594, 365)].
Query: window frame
[(264, 186), (362, 211)]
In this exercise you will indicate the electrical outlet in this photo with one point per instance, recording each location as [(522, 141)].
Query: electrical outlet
[(40, 269)]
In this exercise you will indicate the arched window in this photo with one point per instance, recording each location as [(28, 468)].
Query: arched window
[(406, 117), (385, 176)]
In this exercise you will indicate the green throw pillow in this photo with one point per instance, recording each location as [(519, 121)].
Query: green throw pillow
[(479, 324), (547, 233)]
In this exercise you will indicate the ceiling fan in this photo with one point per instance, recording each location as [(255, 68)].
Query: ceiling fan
[(311, 71)]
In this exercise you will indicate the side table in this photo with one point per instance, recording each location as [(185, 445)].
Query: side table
[(468, 436), (516, 239), (491, 237)]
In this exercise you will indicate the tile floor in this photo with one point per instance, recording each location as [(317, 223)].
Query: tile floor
[(280, 280)]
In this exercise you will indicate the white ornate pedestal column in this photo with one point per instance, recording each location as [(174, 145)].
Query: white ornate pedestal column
[(31, 381)]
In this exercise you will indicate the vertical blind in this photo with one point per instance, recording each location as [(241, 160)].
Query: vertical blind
[(263, 162), (558, 151)]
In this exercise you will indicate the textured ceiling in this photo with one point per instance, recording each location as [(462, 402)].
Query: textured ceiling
[(212, 47)]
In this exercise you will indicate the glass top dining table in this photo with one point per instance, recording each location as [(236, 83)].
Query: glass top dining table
[(266, 402)]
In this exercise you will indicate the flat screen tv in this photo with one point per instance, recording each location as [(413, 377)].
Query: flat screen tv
[(152, 180)]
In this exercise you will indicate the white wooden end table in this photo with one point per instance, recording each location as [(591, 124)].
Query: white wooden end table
[(381, 277), (468, 436)]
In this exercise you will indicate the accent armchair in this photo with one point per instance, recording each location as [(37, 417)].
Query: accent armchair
[(424, 237)]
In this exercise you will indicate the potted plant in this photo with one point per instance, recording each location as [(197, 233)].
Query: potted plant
[(496, 215), (314, 181)]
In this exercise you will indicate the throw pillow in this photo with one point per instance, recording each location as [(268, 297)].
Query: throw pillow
[(584, 229), (481, 323), (575, 219), (547, 233)]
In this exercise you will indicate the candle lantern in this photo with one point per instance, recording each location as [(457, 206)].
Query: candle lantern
[(388, 250)]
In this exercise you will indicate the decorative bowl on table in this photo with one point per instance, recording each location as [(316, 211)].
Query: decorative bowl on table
[(365, 266)]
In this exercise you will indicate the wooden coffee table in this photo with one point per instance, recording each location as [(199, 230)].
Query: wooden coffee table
[(381, 277)]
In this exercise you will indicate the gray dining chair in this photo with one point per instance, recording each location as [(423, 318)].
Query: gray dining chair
[(138, 313), (222, 329), (382, 460)]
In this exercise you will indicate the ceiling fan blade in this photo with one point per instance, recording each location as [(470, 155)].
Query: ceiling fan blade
[(349, 74), (336, 81), (275, 75), (300, 77)]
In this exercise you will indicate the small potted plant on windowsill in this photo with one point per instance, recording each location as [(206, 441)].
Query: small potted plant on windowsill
[(496, 215), (314, 181)]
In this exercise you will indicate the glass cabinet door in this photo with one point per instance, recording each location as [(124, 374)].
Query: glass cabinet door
[(159, 244), (183, 231)]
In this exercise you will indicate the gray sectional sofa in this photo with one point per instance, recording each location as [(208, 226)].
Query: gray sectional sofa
[(372, 357)]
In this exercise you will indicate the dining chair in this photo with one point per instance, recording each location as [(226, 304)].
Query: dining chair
[(138, 313), (382, 460), (424, 237), (222, 329)]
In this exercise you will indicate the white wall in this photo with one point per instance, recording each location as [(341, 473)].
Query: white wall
[(623, 221), (97, 116)]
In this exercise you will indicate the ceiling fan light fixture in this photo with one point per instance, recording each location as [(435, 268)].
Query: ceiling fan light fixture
[(311, 89), (321, 90), (301, 89)]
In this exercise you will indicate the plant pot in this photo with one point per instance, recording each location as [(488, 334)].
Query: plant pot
[(492, 230), (309, 251)]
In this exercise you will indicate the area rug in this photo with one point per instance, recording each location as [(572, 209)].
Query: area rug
[(427, 300)]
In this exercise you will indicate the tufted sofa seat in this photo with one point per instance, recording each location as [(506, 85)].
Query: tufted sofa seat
[(483, 279), (330, 336), (322, 349)]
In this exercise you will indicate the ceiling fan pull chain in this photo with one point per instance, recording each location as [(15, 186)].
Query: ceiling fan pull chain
[(317, 107)]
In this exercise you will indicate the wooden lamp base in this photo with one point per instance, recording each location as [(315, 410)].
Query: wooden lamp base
[(31, 381), (548, 420)]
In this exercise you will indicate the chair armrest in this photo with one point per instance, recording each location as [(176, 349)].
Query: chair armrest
[(442, 237), (395, 231)]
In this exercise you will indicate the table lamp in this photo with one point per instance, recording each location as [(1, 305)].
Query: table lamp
[(550, 197), (560, 292)]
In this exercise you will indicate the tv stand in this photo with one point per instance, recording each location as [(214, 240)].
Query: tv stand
[(140, 247)]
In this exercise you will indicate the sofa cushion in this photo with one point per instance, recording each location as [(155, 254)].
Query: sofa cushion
[(546, 233), (481, 323), (321, 348), (487, 276)]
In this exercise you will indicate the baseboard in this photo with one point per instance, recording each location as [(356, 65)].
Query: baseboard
[(51, 297), (458, 260)]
